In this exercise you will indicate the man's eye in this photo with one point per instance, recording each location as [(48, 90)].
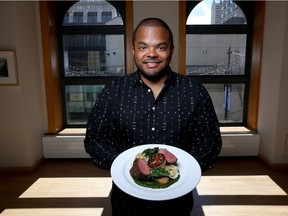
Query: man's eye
[(141, 47), (162, 47)]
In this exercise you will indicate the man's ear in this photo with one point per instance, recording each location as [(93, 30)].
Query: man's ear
[(133, 50)]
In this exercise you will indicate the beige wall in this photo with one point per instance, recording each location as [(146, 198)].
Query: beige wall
[(23, 117), (22, 121), (169, 13), (273, 112)]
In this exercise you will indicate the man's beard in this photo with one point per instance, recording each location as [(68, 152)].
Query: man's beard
[(155, 77)]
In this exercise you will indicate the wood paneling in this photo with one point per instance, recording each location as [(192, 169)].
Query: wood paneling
[(129, 33), (182, 38), (255, 72), (51, 65)]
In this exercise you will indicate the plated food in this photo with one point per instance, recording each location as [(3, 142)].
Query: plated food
[(188, 167), (155, 168)]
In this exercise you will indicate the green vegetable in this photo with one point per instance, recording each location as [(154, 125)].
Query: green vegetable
[(155, 185), (150, 151), (158, 172)]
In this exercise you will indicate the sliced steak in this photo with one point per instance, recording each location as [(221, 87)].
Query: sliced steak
[(140, 169), (170, 158)]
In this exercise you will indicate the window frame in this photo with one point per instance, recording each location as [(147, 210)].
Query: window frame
[(49, 15), (83, 29), (256, 28)]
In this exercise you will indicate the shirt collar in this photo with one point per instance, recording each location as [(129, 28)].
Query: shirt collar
[(169, 80)]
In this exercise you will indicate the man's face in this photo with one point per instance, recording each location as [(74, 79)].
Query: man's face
[(152, 51)]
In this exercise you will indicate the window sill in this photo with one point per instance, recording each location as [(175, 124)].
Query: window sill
[(237, 141), (224, 130), (235, 130)]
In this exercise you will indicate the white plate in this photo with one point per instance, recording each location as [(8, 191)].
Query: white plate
[(190, 174)]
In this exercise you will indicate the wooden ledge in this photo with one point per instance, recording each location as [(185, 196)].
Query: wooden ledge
[(224, 130)]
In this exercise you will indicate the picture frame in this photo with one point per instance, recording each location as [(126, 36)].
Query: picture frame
[(8, 68)]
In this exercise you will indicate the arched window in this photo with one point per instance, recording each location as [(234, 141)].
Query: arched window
[(92, 53), (218, 53)]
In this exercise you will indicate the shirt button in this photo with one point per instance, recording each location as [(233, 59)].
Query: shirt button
[(149, 90), (153, 108), (153, 129)]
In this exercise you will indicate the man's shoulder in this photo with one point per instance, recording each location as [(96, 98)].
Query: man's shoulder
[(180, 78), (128, 79)]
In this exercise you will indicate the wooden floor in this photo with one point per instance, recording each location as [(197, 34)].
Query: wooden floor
[(236, 186)]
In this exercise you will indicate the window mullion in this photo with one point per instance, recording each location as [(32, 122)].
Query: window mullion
[(216, 29)]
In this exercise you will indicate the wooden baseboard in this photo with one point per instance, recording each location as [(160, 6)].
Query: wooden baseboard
[(18, 170), (273, 166)]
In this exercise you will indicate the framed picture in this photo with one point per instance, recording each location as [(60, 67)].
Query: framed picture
[(8, 68)]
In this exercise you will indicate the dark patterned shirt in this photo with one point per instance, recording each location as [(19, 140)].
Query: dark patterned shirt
[(126, 114)]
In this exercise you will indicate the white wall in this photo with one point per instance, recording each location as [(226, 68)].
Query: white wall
[(23, 117), (273, 112), (21, 111), (166, 10)]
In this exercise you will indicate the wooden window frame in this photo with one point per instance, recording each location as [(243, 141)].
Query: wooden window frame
[(256, 57), (51, 62)]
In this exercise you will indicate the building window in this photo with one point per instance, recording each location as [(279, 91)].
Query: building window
[(92, 53), (106, 16), (218, 51), (92, 17), (77, 17)]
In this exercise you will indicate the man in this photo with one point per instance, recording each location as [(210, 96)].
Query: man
[(152, 105)]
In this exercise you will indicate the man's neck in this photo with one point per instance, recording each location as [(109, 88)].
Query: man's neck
[(155, 85)]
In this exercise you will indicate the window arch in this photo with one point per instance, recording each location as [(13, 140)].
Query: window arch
[(218, 53), (92, 13), (216, 13)]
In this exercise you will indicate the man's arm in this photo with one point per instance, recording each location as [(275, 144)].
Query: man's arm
[(207, 143), (99, 139)]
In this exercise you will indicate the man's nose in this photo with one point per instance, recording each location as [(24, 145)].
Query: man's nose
[(152, 52)]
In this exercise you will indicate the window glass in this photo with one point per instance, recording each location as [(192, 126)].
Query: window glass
[(216, 12), (92, 13), (92, 49), (80, 100), (215, 54), (78, 17), (91, 18), (228, 100), (106, 16), (93, 55)]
